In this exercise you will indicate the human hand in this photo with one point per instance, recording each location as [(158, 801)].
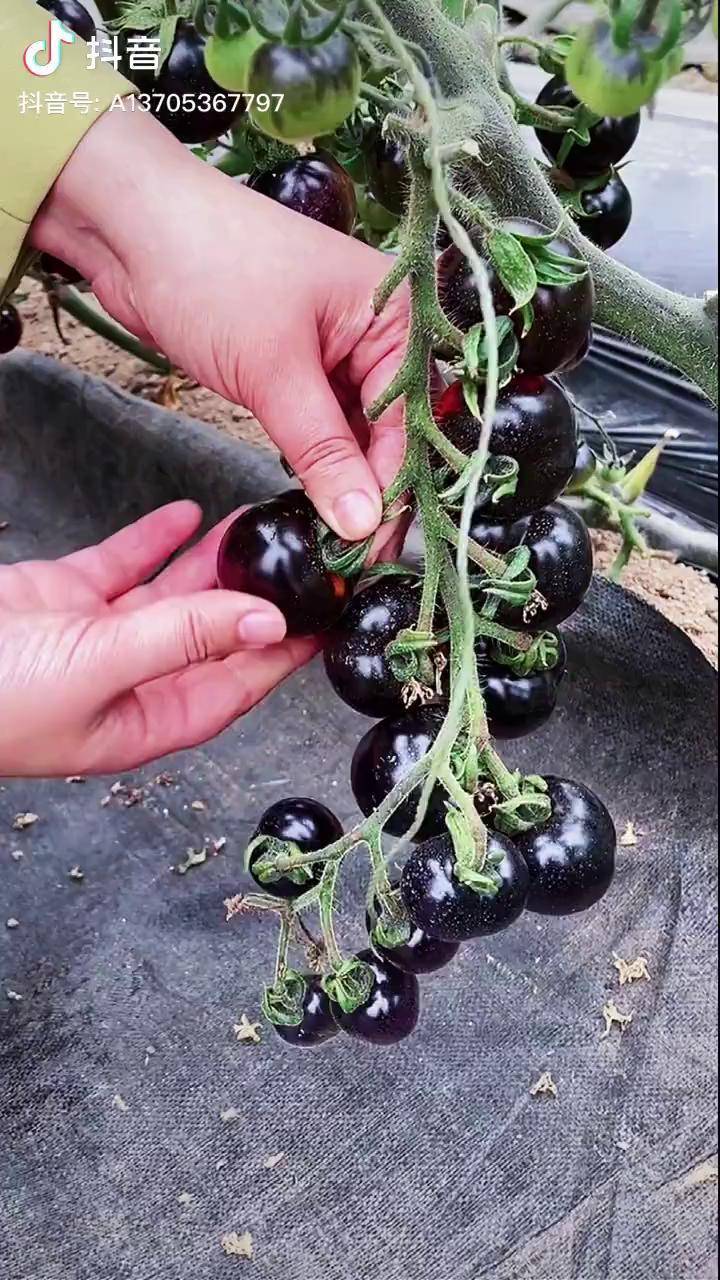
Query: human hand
[(101, 671), (262, 305)]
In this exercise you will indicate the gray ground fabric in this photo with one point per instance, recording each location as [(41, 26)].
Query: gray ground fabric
[(430, 1161)]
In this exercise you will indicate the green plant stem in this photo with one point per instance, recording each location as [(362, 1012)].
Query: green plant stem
[(681, 330), (68, 299), (281, 961)]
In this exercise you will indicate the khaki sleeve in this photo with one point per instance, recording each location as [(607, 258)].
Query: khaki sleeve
[(36, 145)]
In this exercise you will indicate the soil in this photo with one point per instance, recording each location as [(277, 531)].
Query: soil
[(687, 597)]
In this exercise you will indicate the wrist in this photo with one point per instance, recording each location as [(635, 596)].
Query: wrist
[(112, 194)]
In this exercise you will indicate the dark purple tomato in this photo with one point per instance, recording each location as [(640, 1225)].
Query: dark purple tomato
[(273, 551), (534, 424), (561, 558), (585, 466), (318, 1024), (310, 825), (315, 185), (420, 954), (387, 754), (184, 87), (571, 858), (390, 1012), (447, 909), (387, 170), (609, 213), (73, 15), (562, 313), (517, 705), (56, 267), (11, 328), (355, 660), (576, 360), (610, 139)]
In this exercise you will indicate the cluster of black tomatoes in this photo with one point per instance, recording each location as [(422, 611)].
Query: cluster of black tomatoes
[(275, 551), (604, 206)]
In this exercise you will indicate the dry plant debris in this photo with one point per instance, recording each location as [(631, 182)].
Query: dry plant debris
[(236, 1246), (544, 1086), (13, 995), (119, 1103), (76, 873), (614, 1017), (22, 821), (247, 1032), (272, 1162), (630, 836), (631, 970), (196, 857), (12, 923), (230, 1115), (16, 855)]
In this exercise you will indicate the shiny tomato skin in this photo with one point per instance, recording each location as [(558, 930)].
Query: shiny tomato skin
[(184, 75), (420, 954), (517, 705), (319, 86), (385, 756), (609, 213), (307, 823), (11, 328), (318, 1024), (561, 558), (534, 424), (446, 908), (273, 551), (610, 140), (314, 185), (387, 169), (73, 15), (562, 313), (355, 659), (390, 1012), (571, 858)]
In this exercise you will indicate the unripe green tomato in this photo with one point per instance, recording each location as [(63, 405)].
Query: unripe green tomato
[(228, 61), (611, 81), (311, 89), (374, 214)]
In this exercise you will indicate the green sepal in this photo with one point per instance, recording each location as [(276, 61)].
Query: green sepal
[(542, 655), (551, 57), (514, 267), (266, 869), (530, 808), (403, 652), (282, 1004), (463, 840), (349, 985), (166, 35), (344, 558)]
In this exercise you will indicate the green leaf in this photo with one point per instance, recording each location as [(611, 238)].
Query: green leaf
[(514, 266), (166, 35), (282, 1004)]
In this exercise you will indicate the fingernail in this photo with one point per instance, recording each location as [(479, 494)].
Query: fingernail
[(261, 628), (357, 515)]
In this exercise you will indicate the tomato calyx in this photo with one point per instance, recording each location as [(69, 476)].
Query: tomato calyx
[(543, 655), (267, 858), (475, 863), (349, 985), (282, 1003), (530, 807)]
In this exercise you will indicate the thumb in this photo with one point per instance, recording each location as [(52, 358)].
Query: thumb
[(301, 414), (174, 634)]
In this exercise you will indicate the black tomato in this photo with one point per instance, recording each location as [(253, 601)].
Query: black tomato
[(309, 824), (609, 213), (316, 87), (73, 15), (562, 313), (390, 1012), (446, 908), (517, 705), (576, 360), (387, 169), (355, 660), (56, 267), (571, 859), (420, 954), (610, 139), (273, 551), (385, 756), (315, 185), (534, 424), (585, 465), (11, 328), (318, 1024), (561, 558), (203, 110)]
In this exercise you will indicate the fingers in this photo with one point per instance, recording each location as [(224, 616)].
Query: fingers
[(172, 635), (189, 709), (301, 414), (130, 556), (195, 570)]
